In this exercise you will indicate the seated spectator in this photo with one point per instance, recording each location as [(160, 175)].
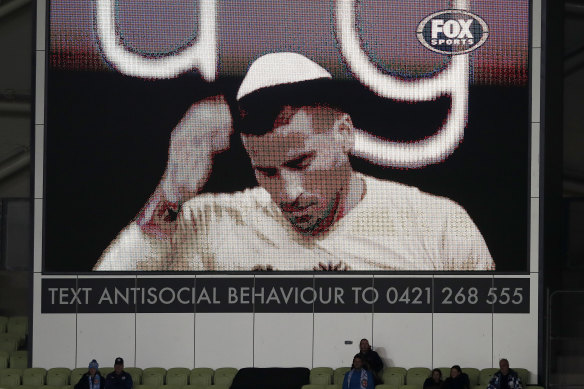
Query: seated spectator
[(118, 379), (372, 360), (92, 379), (434, 382), (358, 377), (457, 379), (505, 378)]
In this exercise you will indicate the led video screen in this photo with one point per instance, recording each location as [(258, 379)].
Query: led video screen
[(299, 136)]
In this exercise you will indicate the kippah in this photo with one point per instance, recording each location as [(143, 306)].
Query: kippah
[(279, 69)]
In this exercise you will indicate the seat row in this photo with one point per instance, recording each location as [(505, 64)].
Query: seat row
[(157, 377), (154, 377), (400, 377), (14, 359)]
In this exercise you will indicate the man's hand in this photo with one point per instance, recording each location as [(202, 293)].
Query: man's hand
[(202, 132)]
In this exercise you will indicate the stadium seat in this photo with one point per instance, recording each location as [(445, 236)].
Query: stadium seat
[(523, 375), (314, 386), (31, 387), (153, 376), (142, 386), (321, 375), (486, 374), (196, 386), (386, 386), (9, 342), (339, 374), (136, 374), (66, 387), (171, 386), (473, 375), (393, 378), (219, 386), (445, 372), (19, 359), (178, 376), (105, 370), (34, 376), (335, 386), (3, 323), (224, 376), (479, 387), (4, 358), (201, 376), (58, 376), (17, 322), (77, 373), (417, 375), (397, 370), (411, 387), (10, 377)]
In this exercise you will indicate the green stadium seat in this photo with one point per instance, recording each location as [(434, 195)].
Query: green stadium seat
[(314, 386), (533, 386), (486, 374), (410, 387), (19, 359), (339, 374), (9, 342), (473, 375), (3, 324), (321, 375), (171, 386), (105, 371), (142, 386), (10, 377), (77, 373), (397, 370), (153, 376), (4, 358), (66, 387), (30, 386), (178, 376), (136, 374), (335, 386), (393, 378), (224, 376), (219, 386), (17, 322), (196, 386), (34, 376), (201, 376), (523, 375), (445, 372), (386, 386), (417, 375), (58, 376)]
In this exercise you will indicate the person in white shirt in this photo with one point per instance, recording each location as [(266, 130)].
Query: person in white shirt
[(311, 210)]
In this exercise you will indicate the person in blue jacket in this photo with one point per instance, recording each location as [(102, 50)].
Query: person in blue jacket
[(358, 377)]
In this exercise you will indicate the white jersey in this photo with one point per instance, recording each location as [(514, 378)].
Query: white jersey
[(393, 227)]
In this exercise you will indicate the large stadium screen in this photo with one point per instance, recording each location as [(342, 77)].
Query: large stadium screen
[(299, 136)]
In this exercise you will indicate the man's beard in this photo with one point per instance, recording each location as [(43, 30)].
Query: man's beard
[(321, 224)]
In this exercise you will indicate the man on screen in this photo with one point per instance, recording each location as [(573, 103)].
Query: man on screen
[(311, 210)]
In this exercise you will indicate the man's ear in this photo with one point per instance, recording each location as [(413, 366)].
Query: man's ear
[(345, 130)]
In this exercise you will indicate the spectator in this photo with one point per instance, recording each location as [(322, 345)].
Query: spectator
[(118, 379), (92, 379), (505, 378), (372, 360), (358, 377), (435, 381), (457, 379)]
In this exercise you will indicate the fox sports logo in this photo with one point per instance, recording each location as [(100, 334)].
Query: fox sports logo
[(452, 32)]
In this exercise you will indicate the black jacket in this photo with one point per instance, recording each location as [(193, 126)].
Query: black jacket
[(460, 382), (122, 381), (431, 384), (84, 381)]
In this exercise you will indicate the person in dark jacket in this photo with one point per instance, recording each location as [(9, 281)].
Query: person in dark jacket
[(457, 379), (92, 379), (372, 360), (505, 378), (434, 382), (118, 379)]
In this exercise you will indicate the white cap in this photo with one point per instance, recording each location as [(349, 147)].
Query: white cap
[(278, 69)]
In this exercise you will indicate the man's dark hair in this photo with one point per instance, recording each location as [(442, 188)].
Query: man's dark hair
[(439, 372), (258, 111), (457, 367)]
